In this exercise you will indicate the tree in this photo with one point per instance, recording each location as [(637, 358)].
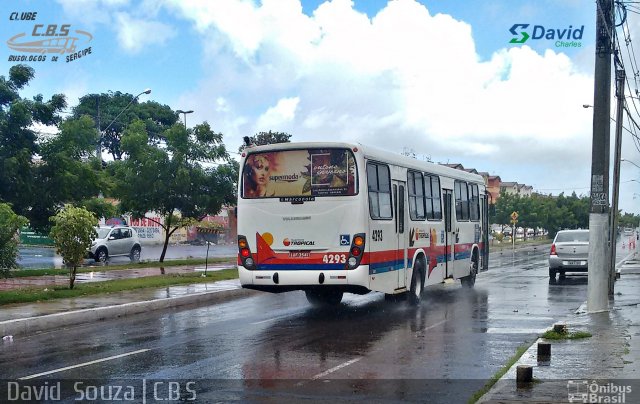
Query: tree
[(10, 224), (104, 108), (505, 205), (263, 138), (19, 140), (68, 172), (173, 180), (72, 232)]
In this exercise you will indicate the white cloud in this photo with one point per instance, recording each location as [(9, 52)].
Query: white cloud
[(404, 77), (134, 34), (276, 117)]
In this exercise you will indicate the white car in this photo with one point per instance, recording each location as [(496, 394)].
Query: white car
[(569, 252), (115, 241)]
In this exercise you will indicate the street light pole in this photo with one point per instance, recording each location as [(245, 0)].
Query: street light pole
[(184, 114), (99, 146), (629, 161)]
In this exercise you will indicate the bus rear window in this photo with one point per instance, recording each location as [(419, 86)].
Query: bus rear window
[(291, 173)]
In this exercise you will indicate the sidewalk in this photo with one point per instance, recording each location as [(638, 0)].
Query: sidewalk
[(106, 275), (602, 368)]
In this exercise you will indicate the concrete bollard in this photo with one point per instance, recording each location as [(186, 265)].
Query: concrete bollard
[(560, 328), (524, 375), (544, 352)]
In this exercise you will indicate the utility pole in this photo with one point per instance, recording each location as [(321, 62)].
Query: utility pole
[(620, 79), (597, 288)]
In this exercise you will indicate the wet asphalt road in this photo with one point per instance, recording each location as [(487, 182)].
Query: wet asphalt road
[(277, 348)]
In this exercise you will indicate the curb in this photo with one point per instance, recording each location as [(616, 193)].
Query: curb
[(30, 325)]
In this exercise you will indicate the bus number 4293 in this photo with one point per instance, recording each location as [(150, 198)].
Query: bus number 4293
[(334, 259)]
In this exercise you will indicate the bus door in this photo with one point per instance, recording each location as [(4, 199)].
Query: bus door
[(449, 234), (484, 211), (401, 240)]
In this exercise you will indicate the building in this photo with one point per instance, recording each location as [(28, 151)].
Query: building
[(514, 188), (495, 185)]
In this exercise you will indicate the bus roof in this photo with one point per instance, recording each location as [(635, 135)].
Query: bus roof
[(373, 153)]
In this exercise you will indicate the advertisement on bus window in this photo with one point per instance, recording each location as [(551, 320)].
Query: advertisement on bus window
[(299, 173)]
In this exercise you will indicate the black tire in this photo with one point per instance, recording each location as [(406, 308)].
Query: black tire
[(102, 255), (552, 273), (134, 255), (562, 274), (323, 298), (470, 280), (417, 283)]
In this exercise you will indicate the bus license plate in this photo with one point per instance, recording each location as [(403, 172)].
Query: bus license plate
[(299, 254)]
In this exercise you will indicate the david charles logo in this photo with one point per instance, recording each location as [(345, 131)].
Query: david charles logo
[(568, 37)]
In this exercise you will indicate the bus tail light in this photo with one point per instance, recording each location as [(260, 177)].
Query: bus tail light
[(356, 250), (244, 252)]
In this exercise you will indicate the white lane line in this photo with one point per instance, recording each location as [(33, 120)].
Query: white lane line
[(333, 369), (272, 319), (83, 364), (434, 325)]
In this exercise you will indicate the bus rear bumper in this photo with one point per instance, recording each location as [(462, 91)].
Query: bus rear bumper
[(351, 281)]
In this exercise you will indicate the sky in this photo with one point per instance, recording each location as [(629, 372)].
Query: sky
[(440, 79)]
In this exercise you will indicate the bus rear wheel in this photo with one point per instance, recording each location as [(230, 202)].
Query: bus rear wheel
[(323, 298), (417, 283), (470, 279)]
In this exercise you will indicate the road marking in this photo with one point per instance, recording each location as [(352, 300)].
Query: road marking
[(434, 325), (83, 364), (333, 369), (273, 319), (496, 330)]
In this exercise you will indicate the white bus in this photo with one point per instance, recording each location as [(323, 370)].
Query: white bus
[(329, 218)]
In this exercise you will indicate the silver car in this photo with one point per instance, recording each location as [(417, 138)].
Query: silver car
[(115, 241), (569, 252)]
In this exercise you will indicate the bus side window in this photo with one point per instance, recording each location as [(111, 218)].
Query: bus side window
[(432, 188), (416, 196), (462, 200), (379, 182), (474, 202)]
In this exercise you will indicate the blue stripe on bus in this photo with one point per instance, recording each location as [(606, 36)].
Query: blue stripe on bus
[(388, 266), (462, 255), (374, 268), (301, 267)]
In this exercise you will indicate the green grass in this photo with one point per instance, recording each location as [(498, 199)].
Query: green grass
[(95, 288), (18, 273), (503, 370), (552, 335)]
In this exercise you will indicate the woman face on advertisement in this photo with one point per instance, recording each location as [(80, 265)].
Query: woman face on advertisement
[(260, 170)]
